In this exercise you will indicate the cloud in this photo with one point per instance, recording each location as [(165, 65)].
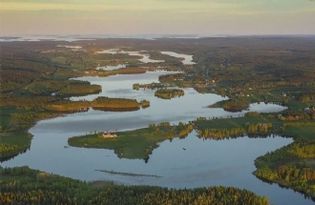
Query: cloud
[(117, 5)]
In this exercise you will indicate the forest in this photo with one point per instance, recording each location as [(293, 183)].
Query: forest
[(22, 185)]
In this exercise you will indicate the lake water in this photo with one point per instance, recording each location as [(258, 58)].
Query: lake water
[(189, 162), (111, 67), (187, 59), (69, 46), (145, 57)]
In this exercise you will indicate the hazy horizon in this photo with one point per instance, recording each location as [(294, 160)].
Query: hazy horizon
[(157, 17)]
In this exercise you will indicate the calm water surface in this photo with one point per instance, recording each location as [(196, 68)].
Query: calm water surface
[(145, 57), (186, 59), (189, 162), (111, 67)]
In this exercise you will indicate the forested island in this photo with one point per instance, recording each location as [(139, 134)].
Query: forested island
[(135, 144), (169, 93), (278, 166), (151, 86), (100, 103), (232, 105), (118, 104)]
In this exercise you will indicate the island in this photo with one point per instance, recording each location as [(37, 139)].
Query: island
[(276, 166), (118, 104), (232, 105), (151, 86), (100, 103), (135, 144), (169, 93)]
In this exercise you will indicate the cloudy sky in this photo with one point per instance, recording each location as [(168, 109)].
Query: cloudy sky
[(132, 17)]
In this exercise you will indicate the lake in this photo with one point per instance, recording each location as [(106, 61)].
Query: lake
[(145, 58), (186, 59), (189, 162), (111, 67)]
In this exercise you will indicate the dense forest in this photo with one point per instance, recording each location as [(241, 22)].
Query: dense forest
[(25, 186), (252, 124)]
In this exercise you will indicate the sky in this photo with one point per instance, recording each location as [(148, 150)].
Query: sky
[(135, 17)]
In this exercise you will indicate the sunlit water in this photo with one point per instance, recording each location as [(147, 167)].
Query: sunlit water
[(189, 162)]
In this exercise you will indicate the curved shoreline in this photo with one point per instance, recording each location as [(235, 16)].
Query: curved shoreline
[(131, 88)]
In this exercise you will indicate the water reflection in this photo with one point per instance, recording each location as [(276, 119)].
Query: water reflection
[(189, 162)]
